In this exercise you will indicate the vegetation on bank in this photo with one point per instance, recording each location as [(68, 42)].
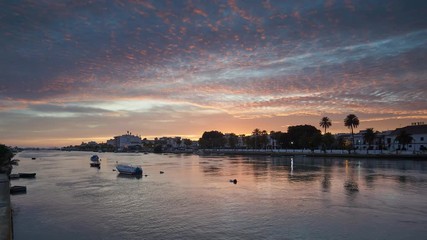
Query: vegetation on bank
[(298, 137), (6, 155)]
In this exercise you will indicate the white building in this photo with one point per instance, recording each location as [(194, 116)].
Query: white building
[(125, 141), (418, 132), (386, 140)]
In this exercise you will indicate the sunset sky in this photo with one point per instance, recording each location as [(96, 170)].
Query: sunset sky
[(73, 71)]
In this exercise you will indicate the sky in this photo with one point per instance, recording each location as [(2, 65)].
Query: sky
[(78, 71)]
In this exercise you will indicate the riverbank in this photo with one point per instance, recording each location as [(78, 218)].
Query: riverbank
[(309, 153), (5, 209)]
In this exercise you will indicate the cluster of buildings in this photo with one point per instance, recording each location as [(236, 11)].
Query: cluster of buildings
[(130, 142), (388, 140), (384, 141)]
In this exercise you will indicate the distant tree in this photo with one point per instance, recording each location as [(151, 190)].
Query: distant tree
[(303, 136), (369, 137), (280, 138), (315, 140), (404, 138), (6, 155), (328, 140), (263, 139), (232, 140), (178, 141), (275, 137), (158, 149), (212, 139), (249, 141), (325, 123), (187, 142), (256, 133), (351, 121), (343, 143)]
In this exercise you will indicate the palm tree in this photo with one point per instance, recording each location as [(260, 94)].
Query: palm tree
[(369, 137), (325, 123), (264, 138), (256, 132), (404, 138), (351, 121)]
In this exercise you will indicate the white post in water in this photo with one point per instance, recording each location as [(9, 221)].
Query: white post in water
[(292, 165)]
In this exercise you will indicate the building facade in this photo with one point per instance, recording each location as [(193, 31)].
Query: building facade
[(125, 141)]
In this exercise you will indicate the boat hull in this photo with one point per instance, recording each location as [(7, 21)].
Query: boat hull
[(129, 169), (27, 175), (18, 189), (95, 164)]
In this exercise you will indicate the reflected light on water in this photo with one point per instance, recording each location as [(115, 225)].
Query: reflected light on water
[(274, 197)]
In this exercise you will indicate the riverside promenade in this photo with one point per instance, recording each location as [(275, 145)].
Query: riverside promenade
[(6, 232), (318, 153)]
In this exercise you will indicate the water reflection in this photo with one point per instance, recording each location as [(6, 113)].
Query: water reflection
[(327, 171), (195, 198), (129, 176), (326, 182)]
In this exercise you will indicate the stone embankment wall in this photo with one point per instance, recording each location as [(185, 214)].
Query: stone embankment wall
[(5, 209)]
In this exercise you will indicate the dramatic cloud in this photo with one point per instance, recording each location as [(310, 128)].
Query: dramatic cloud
[(71, 69)]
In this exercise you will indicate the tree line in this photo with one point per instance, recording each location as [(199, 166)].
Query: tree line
[(298, 137)]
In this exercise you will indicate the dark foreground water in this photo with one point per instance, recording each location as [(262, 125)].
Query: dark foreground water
[(193, 199)]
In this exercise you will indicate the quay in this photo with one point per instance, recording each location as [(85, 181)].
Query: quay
[(316, 153), (6, 225)]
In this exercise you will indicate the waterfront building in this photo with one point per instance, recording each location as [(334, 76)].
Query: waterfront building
[(418, 132), (387, 140), (170, 142), (125, 141)]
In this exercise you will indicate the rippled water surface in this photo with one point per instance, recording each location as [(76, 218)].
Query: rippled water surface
[(274, 198)]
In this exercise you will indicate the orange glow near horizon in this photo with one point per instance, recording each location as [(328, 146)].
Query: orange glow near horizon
[(182, 68)]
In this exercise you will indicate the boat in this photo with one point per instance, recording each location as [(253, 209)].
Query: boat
[(14, 176), (95, 164), (128, 176), (18, 189), (95, 161), (129, 169), (27, 175)]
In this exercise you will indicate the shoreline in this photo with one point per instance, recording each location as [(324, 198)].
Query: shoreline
[(275, 153), (6, 229)]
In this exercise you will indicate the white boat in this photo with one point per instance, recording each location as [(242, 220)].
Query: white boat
[(95, 161), (129, 169)]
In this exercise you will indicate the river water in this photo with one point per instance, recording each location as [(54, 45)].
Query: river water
[(274, 198)]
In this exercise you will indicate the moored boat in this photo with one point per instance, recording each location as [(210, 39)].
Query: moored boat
[(95, 164), (27, 175), (129, 169), (95, 161), (18, 189)]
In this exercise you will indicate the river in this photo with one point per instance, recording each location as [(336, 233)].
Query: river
[(274, 197)]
